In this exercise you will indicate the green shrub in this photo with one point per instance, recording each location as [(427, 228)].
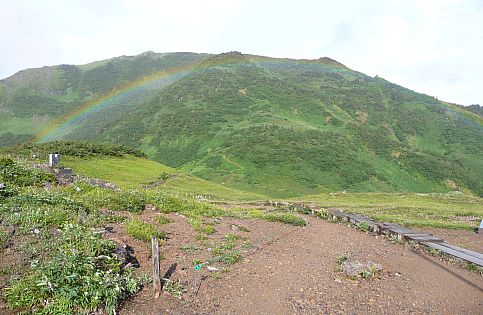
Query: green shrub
[(13, 173), (363, 226), (77, 149), (124, 200), (84, 276), (142, 231)]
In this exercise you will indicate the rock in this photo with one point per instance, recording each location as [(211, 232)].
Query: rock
[(11, 229), (124, 252), (359, 269)]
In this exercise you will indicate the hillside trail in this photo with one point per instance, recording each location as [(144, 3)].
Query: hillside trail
[(297, 274)]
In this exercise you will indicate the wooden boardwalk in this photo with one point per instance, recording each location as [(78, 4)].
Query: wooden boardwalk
[(403, 233)]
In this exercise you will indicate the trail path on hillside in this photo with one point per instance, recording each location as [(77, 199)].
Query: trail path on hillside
[(296, 275)]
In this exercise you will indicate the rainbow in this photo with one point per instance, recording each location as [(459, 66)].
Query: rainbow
[(62, 125)]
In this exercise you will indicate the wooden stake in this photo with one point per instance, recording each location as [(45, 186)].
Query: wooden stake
[(156, 276)]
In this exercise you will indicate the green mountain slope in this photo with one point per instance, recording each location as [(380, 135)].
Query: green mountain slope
[(280, 127)]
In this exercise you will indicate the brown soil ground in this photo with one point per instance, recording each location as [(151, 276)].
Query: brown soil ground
[(293, 271)]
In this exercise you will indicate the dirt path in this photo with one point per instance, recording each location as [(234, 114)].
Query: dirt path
[(296, 275)]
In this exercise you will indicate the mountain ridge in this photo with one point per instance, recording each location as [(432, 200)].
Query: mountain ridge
[(220, 116)]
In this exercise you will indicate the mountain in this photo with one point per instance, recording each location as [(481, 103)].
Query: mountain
[(280, 127)]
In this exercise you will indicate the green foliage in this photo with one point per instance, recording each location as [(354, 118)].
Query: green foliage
[(189, 248), (363, 226), (84, 276), (275, 127), (282, 217), (342, 258), (123, 200), (162, 219), (16, 174), (142, 231), (41, 209), (76, 149), (175, 288), (451, 210)]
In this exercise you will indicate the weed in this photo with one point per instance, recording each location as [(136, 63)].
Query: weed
[(230, 258), (175, 288), (340, 260), (201, 237), (7, 270), (241, 228), (282, 217), (363, 226), (162, 219), (231, 237), (83, 276), (323, 214), (189, 248), (142, 231), (474, 268), (434, 252)]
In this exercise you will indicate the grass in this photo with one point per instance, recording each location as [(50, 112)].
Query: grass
[(125, 172), (175, 288), (451, 210), (82, 276), (134, 172), (282, 217), (142, 231), (162, 219)]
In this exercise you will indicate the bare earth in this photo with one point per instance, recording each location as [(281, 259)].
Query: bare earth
[(296, 273)]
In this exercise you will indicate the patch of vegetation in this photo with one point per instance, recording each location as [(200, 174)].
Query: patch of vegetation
[(189, 248), (230, 258), (75, 149), (474, 268), (363, 226), (162, 219), (123, 200), (16, 174), (241, 228), (453, 211), (282, 217), (142, 231), (340, 260), (83, 276), (356, 269), (175, 288), (277, 127)]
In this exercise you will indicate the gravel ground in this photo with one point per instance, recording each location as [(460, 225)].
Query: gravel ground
[(296, 274)]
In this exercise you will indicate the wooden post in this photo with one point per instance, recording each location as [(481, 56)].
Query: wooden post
[(156, 276)]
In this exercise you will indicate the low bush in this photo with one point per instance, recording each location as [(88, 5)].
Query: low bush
[(124, 200), (84, 276), (142, 231), (16, 174)]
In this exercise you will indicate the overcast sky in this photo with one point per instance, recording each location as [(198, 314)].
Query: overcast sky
[(431, 46)]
